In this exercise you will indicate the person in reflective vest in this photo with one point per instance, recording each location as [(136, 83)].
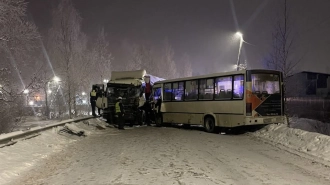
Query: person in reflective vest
[(93, 101), (119, 109)]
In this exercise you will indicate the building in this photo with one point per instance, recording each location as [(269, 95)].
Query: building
[(308, 84)]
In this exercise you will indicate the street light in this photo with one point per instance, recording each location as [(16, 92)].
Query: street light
[(240, 35), (56, 79), (83, 93)]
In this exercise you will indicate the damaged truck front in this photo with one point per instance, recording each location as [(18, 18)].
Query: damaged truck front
[(130, 85)]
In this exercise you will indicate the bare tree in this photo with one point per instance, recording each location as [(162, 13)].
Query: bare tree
[(68, 45), (16, 33), (136, 57), (283, 41), (102, 57), (18, 39), (283, 44), (185, 68), (168, 68)]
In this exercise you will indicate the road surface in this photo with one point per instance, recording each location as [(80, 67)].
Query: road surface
[(167, 156)]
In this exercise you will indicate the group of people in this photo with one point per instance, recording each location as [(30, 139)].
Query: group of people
[(119, 112), (147, 107)]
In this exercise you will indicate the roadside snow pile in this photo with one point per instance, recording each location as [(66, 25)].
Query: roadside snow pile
[(84, 128), (310, 143), (73, 129), (310, 125), (24, 155)]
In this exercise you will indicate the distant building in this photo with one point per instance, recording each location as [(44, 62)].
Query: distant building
[(308, 84)]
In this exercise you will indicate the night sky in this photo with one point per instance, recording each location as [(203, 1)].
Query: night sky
[(204, 29)]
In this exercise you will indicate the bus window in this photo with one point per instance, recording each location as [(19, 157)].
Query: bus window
[(206, 89), (167, 91), (223, 87), (178, 89), (191, 90), (265, 83), (238, 87)]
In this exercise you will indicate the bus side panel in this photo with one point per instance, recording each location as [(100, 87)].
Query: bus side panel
[(182, 118), (230, 112), (230, 120)]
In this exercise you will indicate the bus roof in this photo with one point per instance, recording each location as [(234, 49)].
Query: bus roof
[(212, 75)]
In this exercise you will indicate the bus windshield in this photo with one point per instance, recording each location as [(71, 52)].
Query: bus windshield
[(265, 83)]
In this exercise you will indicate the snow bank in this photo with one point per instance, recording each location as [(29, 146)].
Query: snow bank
[(310, 125), (24, 155), (310, 143)]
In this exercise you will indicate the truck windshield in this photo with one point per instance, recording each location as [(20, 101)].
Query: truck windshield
[(126, 92)]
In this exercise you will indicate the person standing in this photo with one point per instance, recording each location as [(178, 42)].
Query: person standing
[(119, 108), (93, 101), (99, 94)]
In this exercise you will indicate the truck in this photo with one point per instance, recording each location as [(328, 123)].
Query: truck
[(134, 87)]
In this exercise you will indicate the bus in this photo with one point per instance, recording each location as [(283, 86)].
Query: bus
[(222, 100)]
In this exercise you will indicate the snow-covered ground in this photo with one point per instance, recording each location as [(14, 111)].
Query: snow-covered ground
[(24, 155), (150, 155), (301, 137)]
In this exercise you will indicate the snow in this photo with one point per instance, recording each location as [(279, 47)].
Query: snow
[(24, 155), (307, 142), (147, 155)]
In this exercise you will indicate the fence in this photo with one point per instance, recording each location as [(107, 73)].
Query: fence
[(309, 107)]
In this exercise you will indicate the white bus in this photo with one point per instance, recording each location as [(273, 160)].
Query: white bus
[(230, 99)]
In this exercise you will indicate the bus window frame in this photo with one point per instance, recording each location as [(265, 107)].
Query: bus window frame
[(198, 98), (233, 80), (198, 90), (232, 85), (184, 82), (171, 83)]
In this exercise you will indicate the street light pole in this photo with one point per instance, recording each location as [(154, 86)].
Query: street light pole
[(239, 50)]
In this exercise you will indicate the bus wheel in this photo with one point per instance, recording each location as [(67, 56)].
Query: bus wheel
[(209, 124)]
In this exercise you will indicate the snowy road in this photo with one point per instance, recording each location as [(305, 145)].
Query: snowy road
[(151, 155)]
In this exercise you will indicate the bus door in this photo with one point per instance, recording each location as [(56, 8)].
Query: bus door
[(157, 96)]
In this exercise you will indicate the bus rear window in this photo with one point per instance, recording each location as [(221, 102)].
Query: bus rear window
[(265, 83)]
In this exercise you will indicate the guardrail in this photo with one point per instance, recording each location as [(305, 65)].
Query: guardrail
[(9, 139)]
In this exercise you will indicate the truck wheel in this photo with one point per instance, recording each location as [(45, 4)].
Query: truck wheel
[(159, 120), (209, 124), (108, 117)]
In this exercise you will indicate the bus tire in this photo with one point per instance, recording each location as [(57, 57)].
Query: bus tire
[(209, 124)]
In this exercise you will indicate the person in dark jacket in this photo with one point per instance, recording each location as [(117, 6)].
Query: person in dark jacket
[(147, 110), (99, 95), (119, 108), (93, 100)]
